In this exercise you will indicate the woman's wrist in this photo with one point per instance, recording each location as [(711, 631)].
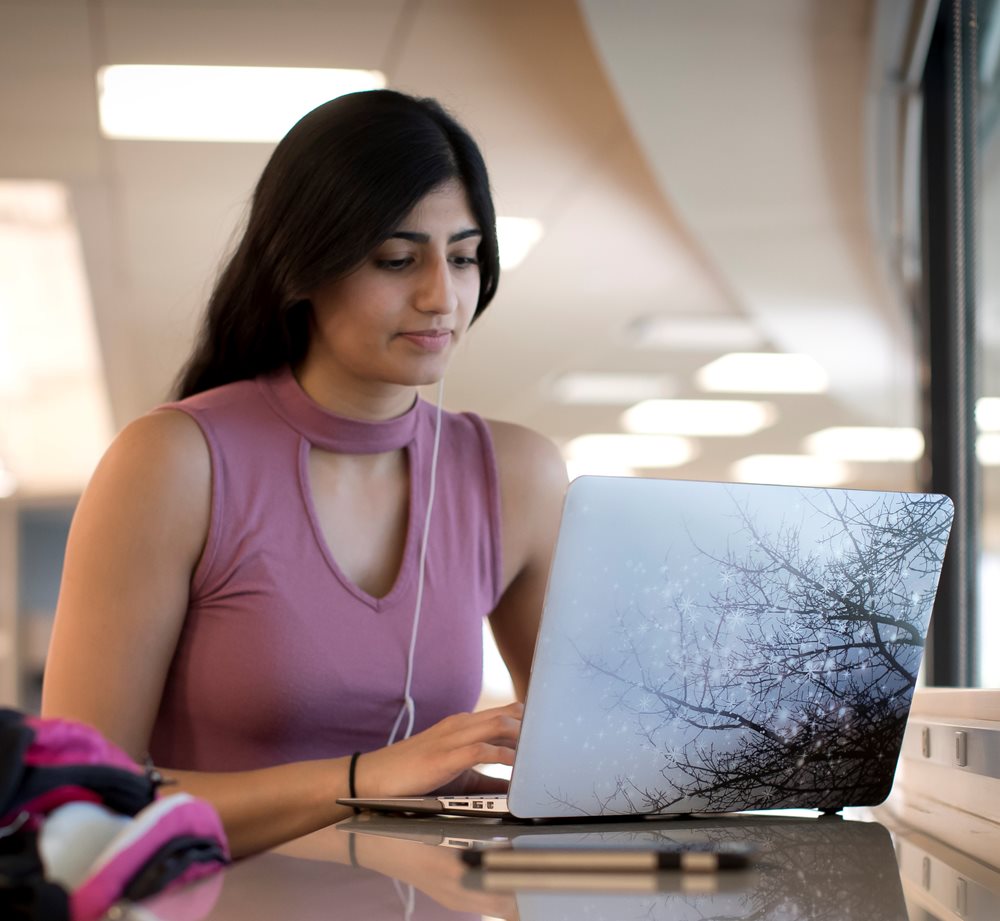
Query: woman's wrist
[(363, 775), (352, 771)]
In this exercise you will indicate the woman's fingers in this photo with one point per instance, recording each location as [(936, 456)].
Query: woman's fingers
[(499, 725), (435, 757), (476, 782), (485, 753), (499, 730)]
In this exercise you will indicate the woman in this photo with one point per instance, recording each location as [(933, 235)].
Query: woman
[(245, 595)]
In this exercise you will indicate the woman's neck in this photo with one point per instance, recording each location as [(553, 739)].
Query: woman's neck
[(373, 401)]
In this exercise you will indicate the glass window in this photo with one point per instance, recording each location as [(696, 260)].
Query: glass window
[(988, 271)]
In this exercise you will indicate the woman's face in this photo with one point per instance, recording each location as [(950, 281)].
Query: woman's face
[(397, 318)]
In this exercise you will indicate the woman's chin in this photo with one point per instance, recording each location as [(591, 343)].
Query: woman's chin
[(425, 376)]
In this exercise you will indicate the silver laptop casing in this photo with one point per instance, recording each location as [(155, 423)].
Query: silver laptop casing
[(712, 647)]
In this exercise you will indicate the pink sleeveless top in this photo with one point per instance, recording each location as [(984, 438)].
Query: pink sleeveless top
[(281, 657)]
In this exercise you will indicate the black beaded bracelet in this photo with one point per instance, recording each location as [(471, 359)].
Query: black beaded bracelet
[(350, 777)]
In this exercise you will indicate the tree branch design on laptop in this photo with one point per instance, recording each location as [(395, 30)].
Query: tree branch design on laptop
[(787, 680)]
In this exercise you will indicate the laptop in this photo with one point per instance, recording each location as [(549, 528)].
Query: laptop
[(717, 647)]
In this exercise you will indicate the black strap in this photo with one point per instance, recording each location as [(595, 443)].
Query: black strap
[(15, 738), (119, 789), (24, 891), (352, 770), (43, 902), (169, 862)]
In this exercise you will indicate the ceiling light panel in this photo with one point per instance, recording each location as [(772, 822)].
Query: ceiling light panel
[(52, 389), (516, 237), (596, 466), (699, 417), (167, 102), (988, 449), (8, 482), (988, 413), (763, 372), (791, 470), (867, 443), (621, 455), (693, 334), (608, 389)]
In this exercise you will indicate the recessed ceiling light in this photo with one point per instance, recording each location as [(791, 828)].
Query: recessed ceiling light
[(790, 469), (988, 449), (866, 443), (601, 388), (8, 482), (763, 372), (988, 414), (621, 455), (34, 204), (516, 236), (596, 466), (667, 331), (699, 417), (169, 102)]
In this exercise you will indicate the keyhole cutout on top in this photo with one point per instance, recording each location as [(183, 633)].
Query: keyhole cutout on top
[(362, 504)]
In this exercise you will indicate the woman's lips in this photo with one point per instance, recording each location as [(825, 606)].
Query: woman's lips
[(430, 340)]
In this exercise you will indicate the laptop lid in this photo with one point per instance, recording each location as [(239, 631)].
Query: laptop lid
[(713, 647)]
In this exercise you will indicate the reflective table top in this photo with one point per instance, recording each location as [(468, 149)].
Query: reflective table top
[(862, 867)]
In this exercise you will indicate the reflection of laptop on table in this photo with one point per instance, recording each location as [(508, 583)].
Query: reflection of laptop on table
[(808, 862), (714, 647)]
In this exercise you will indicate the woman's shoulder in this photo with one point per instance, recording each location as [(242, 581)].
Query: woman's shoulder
[(533, 482), (229, 396), (153, 482), (164, 446), (234, 416), (172, 436), (513, 437), (527, 459)]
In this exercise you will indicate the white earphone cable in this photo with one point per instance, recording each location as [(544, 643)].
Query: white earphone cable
[(408, 709), (408, 900)]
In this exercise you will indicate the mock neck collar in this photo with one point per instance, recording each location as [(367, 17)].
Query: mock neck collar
[(333, 432)]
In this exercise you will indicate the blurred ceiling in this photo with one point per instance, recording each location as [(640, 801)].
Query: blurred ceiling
[(687, 159)]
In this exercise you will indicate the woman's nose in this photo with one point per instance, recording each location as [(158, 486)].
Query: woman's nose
[(436, 292)]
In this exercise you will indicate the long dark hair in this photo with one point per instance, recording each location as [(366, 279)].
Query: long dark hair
[(337, 185)]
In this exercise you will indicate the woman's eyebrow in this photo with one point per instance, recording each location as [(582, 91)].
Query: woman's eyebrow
[(414, 237)]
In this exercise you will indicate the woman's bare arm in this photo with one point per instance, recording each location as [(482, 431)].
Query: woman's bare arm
[(134, 544), (532, 486), (266, 807), (135, 540)]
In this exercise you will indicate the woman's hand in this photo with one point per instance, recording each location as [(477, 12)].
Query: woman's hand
[(265, 807), (473, 782), (274, 879), (440, 755)]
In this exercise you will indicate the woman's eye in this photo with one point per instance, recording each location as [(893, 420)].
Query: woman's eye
[(400, 262), (464, 261)]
